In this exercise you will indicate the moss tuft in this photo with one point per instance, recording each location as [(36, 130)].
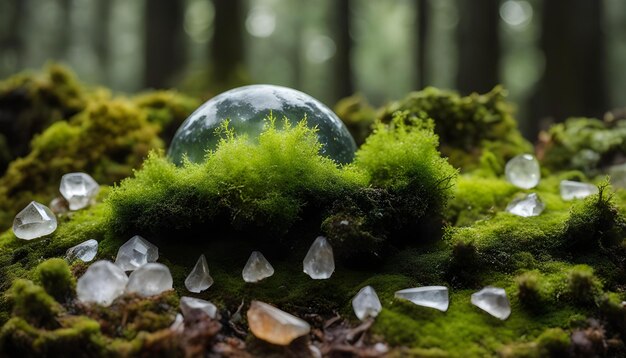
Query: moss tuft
[(32, 303), (582, 285), (55, 277)]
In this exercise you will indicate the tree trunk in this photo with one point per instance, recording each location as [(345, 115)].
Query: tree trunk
[(478, 45), (573, 82), (423, 10), (342, 63), (227, 46), (101, 36), (165, 50)]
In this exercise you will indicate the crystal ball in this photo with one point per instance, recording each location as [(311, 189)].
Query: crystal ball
[(246, 108)]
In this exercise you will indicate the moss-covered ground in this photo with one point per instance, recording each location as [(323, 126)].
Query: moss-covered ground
[(400, 216)]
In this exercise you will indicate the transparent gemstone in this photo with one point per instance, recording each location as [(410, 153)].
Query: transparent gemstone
[(85, 251), (35, 220), (571, 190), (246, 108), (135, 253), (257, 268), (366, 303), (319, 262), (529, 205), (199, 279), (179, 323), (493, 300), (523, 171), (149, 280), (275, 326), (102, 283), (189, 305), (429, 296), (79, 189)]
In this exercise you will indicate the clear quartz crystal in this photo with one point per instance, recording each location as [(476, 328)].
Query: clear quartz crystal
[(428, 296), (85, 251), (35, 220), (273, 325), (199, 279), (79, 189), (571, 190), (523, 171), (102, 283), (319, 262), (188, 305), (135, 253), (529, 205), (492, 300), (150, 279), (366, 303), (178, 325), (257, 268)]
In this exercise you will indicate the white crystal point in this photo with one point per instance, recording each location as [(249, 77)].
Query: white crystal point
[(529, 205), (319, 262), (257, 268), (35, 220), (150, 279), (366, 303), (79, 189), (179, 324), (273, 325), (190, 304), (199, 279), (135, 253), (102, 283), (428, 296), (571, 190), (85, 251), (492, 300), (523, 171)]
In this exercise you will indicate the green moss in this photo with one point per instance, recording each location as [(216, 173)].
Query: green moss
[(582, 285), (358, 115), (466, 125), (55, 277), (32, 303)]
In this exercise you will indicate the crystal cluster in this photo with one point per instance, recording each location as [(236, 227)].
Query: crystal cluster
[(199, 278), (529, 205), (246, 108), (492, 300), (190, 305), (85, 251), (523, 171), (79, 189), (35, 220), (257, 268), (135, 253), (571, 190), (150, 279), (273, 325), (102, 283), (366, 303), (319, 262), (429, 296)]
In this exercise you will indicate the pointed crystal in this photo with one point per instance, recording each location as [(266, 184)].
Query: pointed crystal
[(529, 205), (79, 189), (319, 262), (191, 305), (102, 283), (85, 251), (429, 296), (35, 220), (493, 300), (273, 325), (571, 190), (523, 171), (178, 325), (366, 303), (257, 268), (135, 253), (199, 279), (149, 280)]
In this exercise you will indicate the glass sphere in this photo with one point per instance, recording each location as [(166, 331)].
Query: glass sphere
[(246, 108)]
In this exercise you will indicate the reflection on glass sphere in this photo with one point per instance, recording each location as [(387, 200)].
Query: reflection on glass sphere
[(246, 108)]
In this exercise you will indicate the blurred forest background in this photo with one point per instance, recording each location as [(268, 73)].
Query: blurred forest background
[(557, 58)]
